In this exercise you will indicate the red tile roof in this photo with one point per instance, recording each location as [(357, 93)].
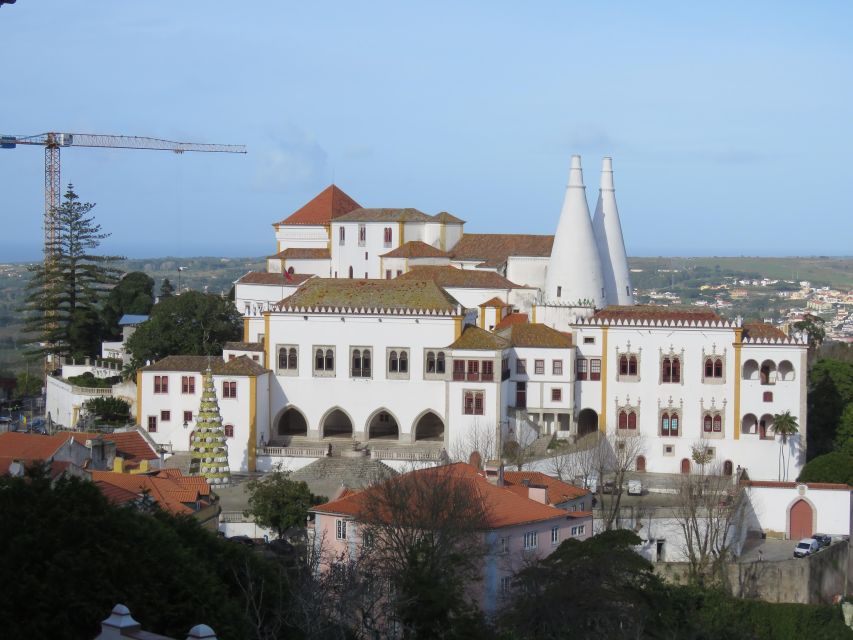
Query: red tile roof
[(31, 446), (303, 253), (650, 312), (494, 302), (493, 249), (175, 493), (279, 279), (772, 484), (503, 508), (130, 445), (448, 276), (415, 249), (511, 319), (557, 490), (761, 330), (329, 204)]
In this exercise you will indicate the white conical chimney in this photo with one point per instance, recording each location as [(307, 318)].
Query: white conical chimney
[(574, 270), (611, 245)]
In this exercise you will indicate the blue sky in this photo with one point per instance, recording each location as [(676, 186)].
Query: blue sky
[(729, 123)]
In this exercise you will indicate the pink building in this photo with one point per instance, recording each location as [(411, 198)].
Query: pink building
[(520, 524)]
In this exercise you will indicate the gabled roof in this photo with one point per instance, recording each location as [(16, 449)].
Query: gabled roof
[(557, 490), (175, 493), (761, 330), (303, 253), (494, 302), (31, 446), (476, 339), (448, 276), (536, 335), (657, 313), (502, 507), (493, 249), (130, 445), (415, 249), (384, 215), (511, 319), (242, 366), (329, 204), (278, 279), (368, 296), (447, 218)]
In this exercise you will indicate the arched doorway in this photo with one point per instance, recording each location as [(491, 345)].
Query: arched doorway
[(727, 468), (749, 424), (336, 424), (765, 427), (641, 463), (800, 520), (383, 426), (429, 427), (685, 465), (768, 372), (292, 423), (587, 422)]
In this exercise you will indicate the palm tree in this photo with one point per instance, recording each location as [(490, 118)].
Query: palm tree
[(785, 425)]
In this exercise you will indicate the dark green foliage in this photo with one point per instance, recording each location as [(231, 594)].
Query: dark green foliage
[(71, 557), (844, 434), (133, 294), (28, 385), (65, 293), (192, 324), (830, 467), (166, 289), (830, 392), (813, 325), (279, 503), (109, 410), (88, 379)]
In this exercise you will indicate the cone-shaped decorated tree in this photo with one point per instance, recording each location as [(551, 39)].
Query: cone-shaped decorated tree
[(209, 451)]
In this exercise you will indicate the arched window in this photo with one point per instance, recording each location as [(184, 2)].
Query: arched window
[(291, 359), (676, 370), (430, 362), (669, 424), (439, 363), (623, 420), (632, 419), (623, 365), (330, 360), (282, 358), (393, 362), (229, 430), (709, 368), (664, 424), (318, 360), (718, 423), (666, 374), (360, 363), (356, 362), (365, 363), (685, 465), (706, 423), (404, 362), (718, 368), (632, 365)]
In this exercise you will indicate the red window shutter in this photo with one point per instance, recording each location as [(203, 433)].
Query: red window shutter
[(632, 420), (478, 404)]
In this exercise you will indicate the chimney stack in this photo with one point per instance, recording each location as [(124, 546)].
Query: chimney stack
[(607, 229)]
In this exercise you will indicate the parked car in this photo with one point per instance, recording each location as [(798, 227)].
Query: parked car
[(806, 547), (822, 539), (246, 540), (635, 488)]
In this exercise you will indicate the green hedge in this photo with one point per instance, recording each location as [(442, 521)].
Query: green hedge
[(830, 467)]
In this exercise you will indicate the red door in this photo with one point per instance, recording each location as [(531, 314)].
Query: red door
[(641, 463), (685, 465), (801, 520)]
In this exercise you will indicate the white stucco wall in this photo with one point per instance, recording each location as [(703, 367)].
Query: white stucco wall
[(771, 506)]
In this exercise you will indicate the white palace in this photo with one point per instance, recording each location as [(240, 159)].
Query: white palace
[(394, 332)]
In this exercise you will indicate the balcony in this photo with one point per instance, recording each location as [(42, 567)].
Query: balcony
[(459, 376)]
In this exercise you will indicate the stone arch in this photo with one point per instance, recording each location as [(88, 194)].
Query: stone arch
[(291, 422), (802, 517), (428, 426), (749, 423), (750, 370), (336, 423), (767, 373), (786, 371), (765, 427), (587, 422), (382, 424)]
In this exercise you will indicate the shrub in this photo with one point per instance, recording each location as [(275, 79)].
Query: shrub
[(830, 467)]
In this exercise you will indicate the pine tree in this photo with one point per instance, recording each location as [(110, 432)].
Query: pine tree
[(166, 289), (209, 450), (67, 291)]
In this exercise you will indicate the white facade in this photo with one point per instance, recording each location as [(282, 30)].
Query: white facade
[(771, 504), (611, 245)]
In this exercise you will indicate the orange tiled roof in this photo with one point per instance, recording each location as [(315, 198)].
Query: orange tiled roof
[(772, 484), (415, 249), (511, 319), (493, 249), (761, 330), (175, 493), (650, 312), (536, 335), (448, 276), (494, 302), (280, 279), (329, 204), (303, 253), (31, 446), (557, 490), (503, 508), (130, 445)]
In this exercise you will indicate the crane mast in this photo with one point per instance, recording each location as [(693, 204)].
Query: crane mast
[(53, 142)]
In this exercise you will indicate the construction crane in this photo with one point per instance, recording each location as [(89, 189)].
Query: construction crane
[(53, 142)]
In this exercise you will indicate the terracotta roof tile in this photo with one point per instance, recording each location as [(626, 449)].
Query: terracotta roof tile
[(447, 218), (280, 279), (303, 253), (511, 319), (536, 335), (329, 204), (658, 313), (761, 330), (503, 507), (399, 294), (494, 302), (130, 445), (448, 276), (244, 346), (384, 215), (772, 484), (477, 339), (31, 446), (493, 249), (242, 366), (415, 249), (173, 493), (558, 491)]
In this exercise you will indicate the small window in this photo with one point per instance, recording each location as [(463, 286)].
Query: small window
[(399, 272), (581, 529), (152, 424), (767, 396), (188, 384), (229, 389), (555, 535), (557, 367), (361, 363), (589, 340), (231, 357), (574, 531), (341, 529), (539, 367), (520, 366), (487, 368), (504, 548), (387, 274), (671, 369), (556, 395), (559, 291), (580, 365), (161, 384), (387, 236), (439, 362), (229, 430), (342, 236), (506, 584), (531, 540), (165, 416), (595, 369), (472, 403), (324, 361), (362, 235), (188, 416)]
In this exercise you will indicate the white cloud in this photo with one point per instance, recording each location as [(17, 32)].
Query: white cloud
[(294, 160)]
